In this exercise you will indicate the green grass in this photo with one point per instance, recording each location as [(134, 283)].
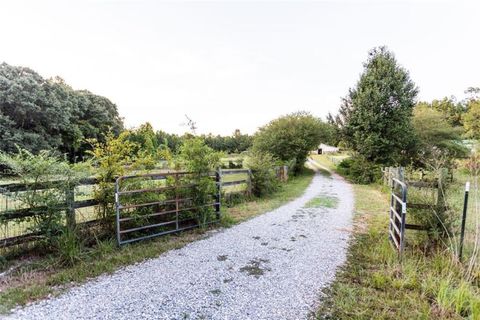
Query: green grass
[(36, 278), (328, 161), (322, 201), (374, 284)]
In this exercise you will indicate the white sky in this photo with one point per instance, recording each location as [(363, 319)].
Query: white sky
[(235, 65)]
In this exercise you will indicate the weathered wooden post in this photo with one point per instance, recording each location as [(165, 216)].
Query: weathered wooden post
[(249, 183), (441, 191), (177, 204), (70, 202), (218, 181), (390, 176), (285, 173)]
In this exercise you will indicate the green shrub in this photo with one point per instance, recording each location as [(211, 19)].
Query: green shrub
[(110, 159), (291, 137), (48, 180), (359, 170), (264, 179), (199, 159)]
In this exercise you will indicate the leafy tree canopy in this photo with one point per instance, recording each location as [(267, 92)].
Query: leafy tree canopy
[(291, 137), (376, 115), (47, 114)]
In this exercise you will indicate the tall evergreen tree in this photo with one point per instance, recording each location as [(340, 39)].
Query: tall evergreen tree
[(376, 115)]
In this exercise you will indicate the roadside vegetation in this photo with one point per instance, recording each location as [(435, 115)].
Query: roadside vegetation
[(35, 277), (375, 284), (380, 124)]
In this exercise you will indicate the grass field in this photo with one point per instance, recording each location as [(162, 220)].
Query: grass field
[(37, 277), (329, 161)]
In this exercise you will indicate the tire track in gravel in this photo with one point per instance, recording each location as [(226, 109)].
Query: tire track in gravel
[(270, 267)]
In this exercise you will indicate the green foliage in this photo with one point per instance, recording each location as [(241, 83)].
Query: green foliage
[(435, 134), (451, 110), (264, 179), (110, 159), (146, 148), (68, 247), (199, 159), (359, 170), (375, 116), (56, 178), (472, 120), (235, 143), (47, 114), (291, 137)]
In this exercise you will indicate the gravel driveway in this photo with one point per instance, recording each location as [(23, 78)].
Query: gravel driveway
[(270, 267)]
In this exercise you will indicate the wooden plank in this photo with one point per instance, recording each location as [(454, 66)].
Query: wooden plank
[(30, 212), (232, 183), (17, 187), (234, 171), (423, 184), (12, 241), (420, 206), (416, 227), (85, 203)]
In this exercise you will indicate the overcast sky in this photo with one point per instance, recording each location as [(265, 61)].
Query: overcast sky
[(235, 65)]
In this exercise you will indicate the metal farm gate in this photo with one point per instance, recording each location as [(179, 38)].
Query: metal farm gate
[(398, 213), (151, 205), (398, 205)]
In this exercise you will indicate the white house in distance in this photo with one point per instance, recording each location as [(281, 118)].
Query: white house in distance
[(324, 148)]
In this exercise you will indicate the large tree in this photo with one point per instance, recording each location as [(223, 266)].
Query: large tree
[(435, 134), (376, 114), (291, 137), (47, 114)]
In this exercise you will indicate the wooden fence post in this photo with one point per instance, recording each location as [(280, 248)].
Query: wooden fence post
[(218, 181), (441, 191), (285, 173), (249, 183), (390, 178), (70, 201)]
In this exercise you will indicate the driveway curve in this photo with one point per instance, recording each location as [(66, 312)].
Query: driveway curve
[(270, 267)]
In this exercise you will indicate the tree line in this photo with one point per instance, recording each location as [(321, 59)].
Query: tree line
[(47, 114)]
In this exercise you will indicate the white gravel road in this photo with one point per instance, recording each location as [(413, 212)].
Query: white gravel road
[(270, 267)]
